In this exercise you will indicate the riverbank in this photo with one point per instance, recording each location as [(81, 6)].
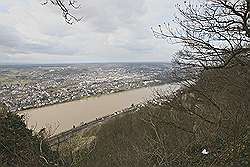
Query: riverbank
[(87, 97), (62, 117)]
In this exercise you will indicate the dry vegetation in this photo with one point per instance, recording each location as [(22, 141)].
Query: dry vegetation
[(210, 114)]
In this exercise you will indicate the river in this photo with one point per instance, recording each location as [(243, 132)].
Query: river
[(62, 117)]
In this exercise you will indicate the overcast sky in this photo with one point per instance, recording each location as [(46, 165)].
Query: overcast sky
[(113, 31)]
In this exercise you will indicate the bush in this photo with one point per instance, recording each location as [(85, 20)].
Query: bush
[(19, 146)]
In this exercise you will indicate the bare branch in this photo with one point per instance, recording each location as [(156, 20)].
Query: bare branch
[(65, 8), (215, 34)]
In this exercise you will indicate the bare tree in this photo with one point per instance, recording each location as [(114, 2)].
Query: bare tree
[(214, 34), (65, 6)]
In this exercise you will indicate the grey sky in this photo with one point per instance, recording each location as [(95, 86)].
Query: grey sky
[(113, 31)]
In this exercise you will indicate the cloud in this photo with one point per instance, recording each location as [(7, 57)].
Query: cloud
[(9, 36), (112, 31), (109, 15), (5, 57), (11, 41)]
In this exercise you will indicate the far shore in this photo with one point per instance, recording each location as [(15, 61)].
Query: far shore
[(89, 97), (66, 115)]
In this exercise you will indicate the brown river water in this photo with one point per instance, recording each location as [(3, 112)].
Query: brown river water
[(65, 115)]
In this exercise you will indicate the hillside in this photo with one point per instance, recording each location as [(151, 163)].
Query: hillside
[(204, 124)]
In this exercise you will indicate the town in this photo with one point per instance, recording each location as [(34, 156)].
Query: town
[(31, 86)]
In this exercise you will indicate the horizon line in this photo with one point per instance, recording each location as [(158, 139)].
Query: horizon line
[(97, 62)]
